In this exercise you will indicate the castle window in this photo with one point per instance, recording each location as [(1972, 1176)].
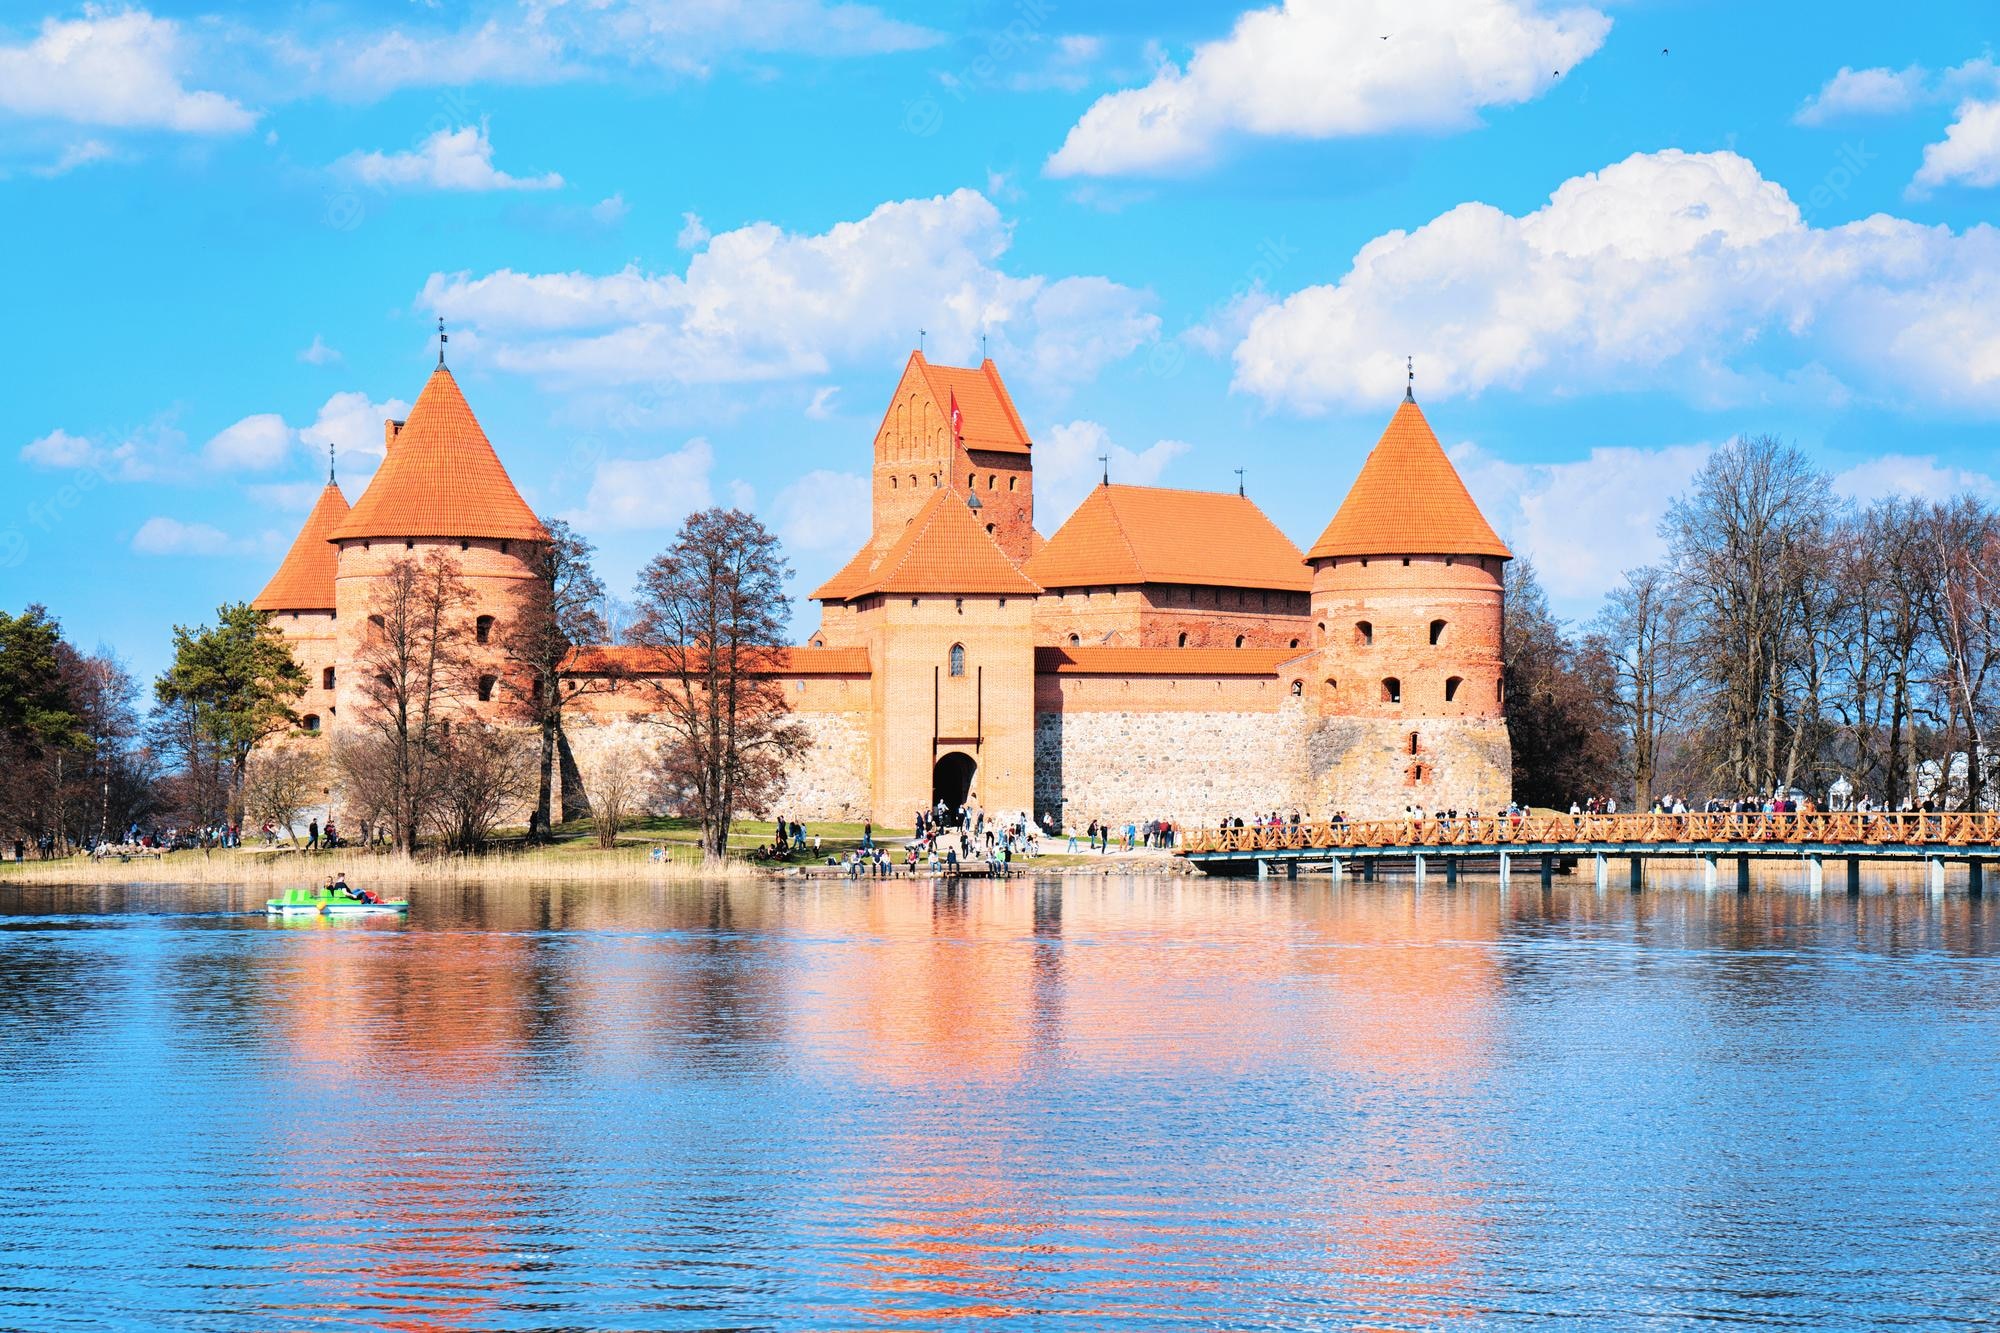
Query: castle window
[(1332, 685), (1413, 742), (958, 659), (1298, 688), (1013, 483), (989, 529), (1239, 641), (378, 624), (1417, 773), (310, 721), (1364, 562), (1437, 631), (1392, 690), (505, 547), (1293, 644), (409, 545), (1183, 640), (892, 481), (326, 679), (486, 684), (1075, 640), (1364, 633), (1406, 562), (482, 629), (1451, 688), (464, 545), (934, 481), (990, 479), (971, 480)]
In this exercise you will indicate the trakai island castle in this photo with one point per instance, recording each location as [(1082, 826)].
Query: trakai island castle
[(1165, 654)]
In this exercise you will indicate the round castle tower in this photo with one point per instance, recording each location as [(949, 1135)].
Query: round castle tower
[(1408, 603), (440, 488), (300, 598)]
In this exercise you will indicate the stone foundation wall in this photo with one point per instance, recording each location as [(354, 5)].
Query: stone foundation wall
[(1191, 767), (1368, 767)]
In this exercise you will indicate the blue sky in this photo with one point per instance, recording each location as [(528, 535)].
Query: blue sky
[(685, 247)]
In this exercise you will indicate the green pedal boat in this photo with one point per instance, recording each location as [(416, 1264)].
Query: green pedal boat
[(318, 902)]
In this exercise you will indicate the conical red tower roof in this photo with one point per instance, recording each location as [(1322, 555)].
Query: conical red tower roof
[(1408, 500), (304, 581), (441, 479)]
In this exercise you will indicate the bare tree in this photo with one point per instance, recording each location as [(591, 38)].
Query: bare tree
[(554, 613), (1745, 541), (1644, 625), (712, 610), (1964, 540), (483, 773), (615, 776), (413, 670), (282, 781)]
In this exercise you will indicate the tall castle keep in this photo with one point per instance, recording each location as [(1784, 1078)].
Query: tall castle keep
[(1165, 654)]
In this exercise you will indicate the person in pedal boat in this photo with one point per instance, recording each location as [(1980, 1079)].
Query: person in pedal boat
[(340, 886)]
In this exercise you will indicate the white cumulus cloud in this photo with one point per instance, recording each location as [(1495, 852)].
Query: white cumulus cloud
[(171, 536), (761, 303), (1969, 153), (1865, 92), (254, 444), (448, 159), (1067, 466), (1675, 270), (1320, 69), (647, 494), (123, 70)]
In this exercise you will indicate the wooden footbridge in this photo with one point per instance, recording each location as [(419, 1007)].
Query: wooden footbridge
[(1549, 842)]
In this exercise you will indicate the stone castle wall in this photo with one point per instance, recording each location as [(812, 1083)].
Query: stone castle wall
[(1189, 765)]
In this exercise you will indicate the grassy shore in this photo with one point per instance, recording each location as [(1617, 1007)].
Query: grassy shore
[(572, 856)]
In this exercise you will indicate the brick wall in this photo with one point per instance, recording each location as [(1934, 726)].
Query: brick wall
[(1172, 616)]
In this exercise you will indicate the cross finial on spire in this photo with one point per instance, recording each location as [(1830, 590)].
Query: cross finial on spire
[(1106, 460), (443, 338), (329, 462), (1239, 481), (920, 342), (982, 347), (1410, 389)]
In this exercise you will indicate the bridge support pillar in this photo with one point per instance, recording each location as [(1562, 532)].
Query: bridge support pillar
[(1419, 860), (1815, 874), (1853, 876), (1368, 870), (1548, 870), (1603, 875), (1292, 868), (1975, 877), (1506, 868), (1638, 872), (1743, 874), (1708, 872), (1934, 872), (1451, 870), (1263, 868), (1339, 869)]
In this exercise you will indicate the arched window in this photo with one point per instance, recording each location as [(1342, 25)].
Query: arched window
[(989, 529), (326, 679), (1451, 688), (486, 684), (971, 480), (990, 479), (1298, 688), (482, 629), (958, 659), (1239, 641), (1437, 631), (378, 624), (892, 481), (310, 721), (1413, 742), (1183, 640), (935, 481), (1392, 690), (1294, 643), (1076, 640), (1013, 483), (1332, 685), (1364, 633)]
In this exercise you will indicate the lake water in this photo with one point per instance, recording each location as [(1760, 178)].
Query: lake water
[(1098, 1103)]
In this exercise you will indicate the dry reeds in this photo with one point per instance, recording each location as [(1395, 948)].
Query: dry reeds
[(285, 869)]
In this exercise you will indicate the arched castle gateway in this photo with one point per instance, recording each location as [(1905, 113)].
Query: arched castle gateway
[(1165, 654)]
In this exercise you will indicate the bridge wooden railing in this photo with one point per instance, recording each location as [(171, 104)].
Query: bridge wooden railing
[(1873, 829)]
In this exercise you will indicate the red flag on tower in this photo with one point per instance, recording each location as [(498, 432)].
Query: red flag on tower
[(957, 427)]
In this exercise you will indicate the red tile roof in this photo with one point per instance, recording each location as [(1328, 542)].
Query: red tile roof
[(304, 581), (943, 550), (441, 479), (848, 577), (1163, 661), (603, 659), (986, 411), (1149, 534), (1408, 500)]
